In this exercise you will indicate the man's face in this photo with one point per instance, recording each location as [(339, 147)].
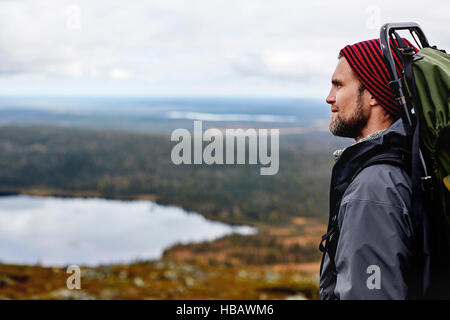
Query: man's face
[(348, 113)]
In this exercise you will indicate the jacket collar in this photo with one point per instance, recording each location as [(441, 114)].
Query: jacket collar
[(395, 140), (374, 135)]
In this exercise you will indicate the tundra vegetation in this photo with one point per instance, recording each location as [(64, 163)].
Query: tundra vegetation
[(289, 208)]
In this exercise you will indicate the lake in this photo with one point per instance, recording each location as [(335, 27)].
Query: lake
[(61, 231)]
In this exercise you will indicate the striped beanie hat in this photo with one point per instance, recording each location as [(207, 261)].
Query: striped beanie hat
[(366, 60)]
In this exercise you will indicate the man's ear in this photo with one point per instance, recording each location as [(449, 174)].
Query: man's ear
[(373, 101), (377, 108)]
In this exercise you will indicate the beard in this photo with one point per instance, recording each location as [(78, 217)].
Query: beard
[(349, 128)]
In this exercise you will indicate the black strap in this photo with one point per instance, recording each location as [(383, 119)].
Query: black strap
[(330, 239)]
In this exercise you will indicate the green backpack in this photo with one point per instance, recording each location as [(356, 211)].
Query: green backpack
[(432, 80), (423, 91)]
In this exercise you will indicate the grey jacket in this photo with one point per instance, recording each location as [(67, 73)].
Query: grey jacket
[(377, 255)]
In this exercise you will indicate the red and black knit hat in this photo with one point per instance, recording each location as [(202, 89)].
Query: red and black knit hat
[(366, 60)]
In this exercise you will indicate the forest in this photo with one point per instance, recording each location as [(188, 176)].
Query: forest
[(60, 161)]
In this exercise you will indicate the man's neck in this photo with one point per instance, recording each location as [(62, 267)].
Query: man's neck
[(372, 127)]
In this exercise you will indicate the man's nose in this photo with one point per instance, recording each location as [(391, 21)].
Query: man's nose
[(331, 98)]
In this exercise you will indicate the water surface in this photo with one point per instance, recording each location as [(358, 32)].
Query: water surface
[(62, 231)]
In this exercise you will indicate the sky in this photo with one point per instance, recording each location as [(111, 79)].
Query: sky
[(276, 48)]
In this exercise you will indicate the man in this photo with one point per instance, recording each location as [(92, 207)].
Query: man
[(372, 247)]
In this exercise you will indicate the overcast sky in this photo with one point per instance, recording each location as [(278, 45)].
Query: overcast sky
[(191, 47)]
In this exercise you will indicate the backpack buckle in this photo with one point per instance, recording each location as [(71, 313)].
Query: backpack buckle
[(426, 183), (408, 51)]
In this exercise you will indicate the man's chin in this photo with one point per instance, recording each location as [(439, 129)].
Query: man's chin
[(339, 128), (333, 126)]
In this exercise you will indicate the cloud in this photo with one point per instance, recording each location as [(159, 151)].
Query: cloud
[(202, 45), (287, 65), (120, 74)]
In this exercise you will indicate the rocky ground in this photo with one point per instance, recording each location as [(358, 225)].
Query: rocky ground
[(158, 280), (278, 263)]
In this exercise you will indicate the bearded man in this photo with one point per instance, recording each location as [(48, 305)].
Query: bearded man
[(372, 247)]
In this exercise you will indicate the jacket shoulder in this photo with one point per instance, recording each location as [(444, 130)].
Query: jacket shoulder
[(385, 184)]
